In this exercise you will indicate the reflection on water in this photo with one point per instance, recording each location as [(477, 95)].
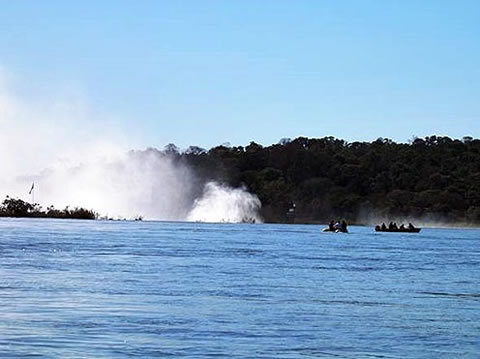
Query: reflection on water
[(71, 289)]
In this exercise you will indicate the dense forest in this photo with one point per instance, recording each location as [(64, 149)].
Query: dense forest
[(15, 207), (314, 180), (309, 180)]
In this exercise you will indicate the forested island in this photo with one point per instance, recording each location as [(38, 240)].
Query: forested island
[(311, 180), (15, 207)]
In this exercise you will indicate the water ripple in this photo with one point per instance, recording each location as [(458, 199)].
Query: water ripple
[(81, 289)]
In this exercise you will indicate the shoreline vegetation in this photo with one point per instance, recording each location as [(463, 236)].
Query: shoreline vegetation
[(15, 207), (312, 180), (434, 180)]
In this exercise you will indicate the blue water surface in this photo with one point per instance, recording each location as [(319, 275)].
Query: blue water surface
[(103, 289)]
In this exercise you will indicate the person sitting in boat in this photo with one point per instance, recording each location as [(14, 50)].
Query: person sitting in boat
[(410, 226), (384, 227), (402, 226), (331, 226), (344, 226), (338, 226)]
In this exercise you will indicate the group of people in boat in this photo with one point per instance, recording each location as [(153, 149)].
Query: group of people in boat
[(341, 227), (393, 226), (336, 226)]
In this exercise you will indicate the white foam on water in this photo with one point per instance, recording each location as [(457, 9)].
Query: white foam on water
[(220, 203)]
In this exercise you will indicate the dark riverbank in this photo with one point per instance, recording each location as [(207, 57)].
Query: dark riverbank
[(312, 180), (14, 207), (433, 181)]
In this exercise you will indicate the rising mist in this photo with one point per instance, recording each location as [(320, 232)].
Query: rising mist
[(150, 184), (77, 157)]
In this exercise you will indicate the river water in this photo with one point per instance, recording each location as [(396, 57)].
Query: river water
[(84, 289)]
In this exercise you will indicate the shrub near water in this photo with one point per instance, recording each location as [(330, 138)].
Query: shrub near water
[(15, 207)]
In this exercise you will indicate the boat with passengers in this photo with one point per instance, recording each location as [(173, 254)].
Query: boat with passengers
[(392, 227)]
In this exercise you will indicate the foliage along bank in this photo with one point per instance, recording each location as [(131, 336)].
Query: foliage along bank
[(14, 207), (434, 177)]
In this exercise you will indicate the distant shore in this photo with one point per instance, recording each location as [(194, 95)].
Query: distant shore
[(433, 179), (17, 208)]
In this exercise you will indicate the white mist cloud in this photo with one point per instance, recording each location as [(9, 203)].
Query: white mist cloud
[(139, 183), (224, 204), (79, 158), (49, 131)]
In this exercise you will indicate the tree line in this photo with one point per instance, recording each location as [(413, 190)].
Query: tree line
[(314, 180), (15, 207), (317, 179)]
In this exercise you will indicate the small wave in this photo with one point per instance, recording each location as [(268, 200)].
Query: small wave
[(457, 295)]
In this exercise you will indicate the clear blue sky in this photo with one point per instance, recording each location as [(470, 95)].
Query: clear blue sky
[(207, 72)]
